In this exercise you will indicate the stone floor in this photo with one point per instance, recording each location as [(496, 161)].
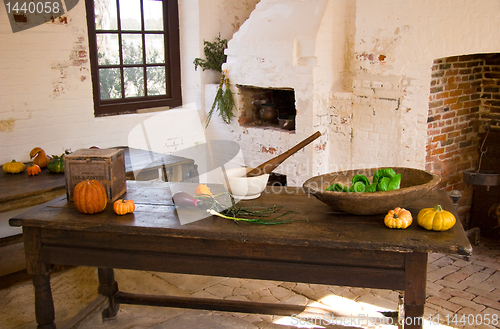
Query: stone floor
[(461, 293)]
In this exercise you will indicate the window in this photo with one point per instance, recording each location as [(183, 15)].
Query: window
[(134, 53)]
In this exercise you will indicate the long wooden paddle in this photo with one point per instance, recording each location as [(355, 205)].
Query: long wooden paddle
[(268, 166)]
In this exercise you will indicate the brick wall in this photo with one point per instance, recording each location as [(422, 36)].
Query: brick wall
[(490, 116), (464, 99)]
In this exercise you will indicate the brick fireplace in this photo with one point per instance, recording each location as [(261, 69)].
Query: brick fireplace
[(464, 102)]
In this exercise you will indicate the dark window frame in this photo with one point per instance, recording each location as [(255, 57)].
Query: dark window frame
[(173, 97)]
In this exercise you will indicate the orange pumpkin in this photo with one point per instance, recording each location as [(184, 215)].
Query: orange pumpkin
[(122, 207), (398, 218), (90, 197), (202, 189), (34, 170), (40, 157)]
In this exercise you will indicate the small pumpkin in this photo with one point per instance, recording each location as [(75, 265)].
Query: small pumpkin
[(398, 218), (122, 207), (203, 189), (436, 219), (34, 170), (40, 157), (13, 167), (90, 197), (56, 165)]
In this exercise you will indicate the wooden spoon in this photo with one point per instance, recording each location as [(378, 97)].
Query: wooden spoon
[(268, 166)]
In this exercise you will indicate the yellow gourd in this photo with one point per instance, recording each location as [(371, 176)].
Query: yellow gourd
[(13, 167), (436, 219), (398, 218)]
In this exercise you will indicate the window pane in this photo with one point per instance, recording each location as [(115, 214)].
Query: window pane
[(110, 83), (132, 49), (156, 83), (134, 81), (153, 15), (130, 14), (155, 53), (107, 49), (105, 15)]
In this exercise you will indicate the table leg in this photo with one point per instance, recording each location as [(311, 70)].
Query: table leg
[(108, 287), (414, 295), (44, 304)]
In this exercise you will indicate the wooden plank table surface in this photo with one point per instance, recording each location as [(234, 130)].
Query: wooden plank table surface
[(320, 246)]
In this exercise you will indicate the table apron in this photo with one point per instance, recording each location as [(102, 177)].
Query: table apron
[(359, 276), (299, 251)]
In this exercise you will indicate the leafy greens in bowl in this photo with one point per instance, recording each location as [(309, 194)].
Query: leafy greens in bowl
[(414, 183)]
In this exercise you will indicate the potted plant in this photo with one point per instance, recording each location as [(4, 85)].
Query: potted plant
[(214, 58)]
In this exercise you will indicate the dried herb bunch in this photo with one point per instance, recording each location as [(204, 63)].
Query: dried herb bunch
[(215, 57), (214, 54), (224, 101)]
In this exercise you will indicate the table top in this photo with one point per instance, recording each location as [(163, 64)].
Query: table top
[(314, 224)]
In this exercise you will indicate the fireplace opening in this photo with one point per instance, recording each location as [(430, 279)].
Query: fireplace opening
[(464, 105), (267, 107)]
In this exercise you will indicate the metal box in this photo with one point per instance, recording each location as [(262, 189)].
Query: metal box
[(104, 165)]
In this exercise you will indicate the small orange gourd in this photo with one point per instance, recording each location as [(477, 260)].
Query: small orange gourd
[(34, 170), (122, 207), (90, 197), (40, 157), (203, 189), (398, 218), (436, 219)]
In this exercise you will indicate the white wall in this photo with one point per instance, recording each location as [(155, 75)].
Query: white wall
[(45, 83)]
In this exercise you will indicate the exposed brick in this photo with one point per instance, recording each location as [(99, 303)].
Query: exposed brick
[(456, 92), (444, 303), (438, 138), (449, 101), (459, 293), (441, 273), (448, 128), (456, 277), (477, 277), (487, 302), (492, 295), (456, 106), (467, 303), (437, 151)]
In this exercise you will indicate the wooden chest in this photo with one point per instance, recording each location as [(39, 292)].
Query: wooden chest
[(106, 166)]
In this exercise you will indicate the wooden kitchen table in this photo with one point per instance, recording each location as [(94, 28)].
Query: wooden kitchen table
[(320, 246)]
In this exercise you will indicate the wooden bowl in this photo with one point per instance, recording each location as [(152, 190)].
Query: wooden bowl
[(414, 183)]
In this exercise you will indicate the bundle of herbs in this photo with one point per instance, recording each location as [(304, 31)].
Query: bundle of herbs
[(253, 214), (214, 58), (224, 101)]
